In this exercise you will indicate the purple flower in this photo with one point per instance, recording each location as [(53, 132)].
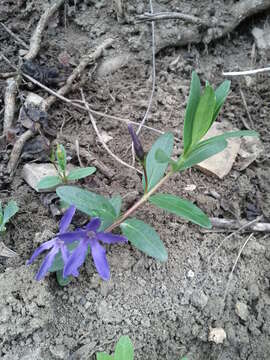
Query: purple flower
[(54, 245), (136, 143), (89, 236)]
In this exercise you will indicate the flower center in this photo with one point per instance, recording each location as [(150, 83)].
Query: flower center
[(91, 234)]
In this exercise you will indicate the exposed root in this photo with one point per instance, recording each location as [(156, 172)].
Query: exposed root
[(41, 26), (180, 36)]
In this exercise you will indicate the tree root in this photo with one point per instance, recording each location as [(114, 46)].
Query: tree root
[(215, 30), (10, 96), (235, 224)]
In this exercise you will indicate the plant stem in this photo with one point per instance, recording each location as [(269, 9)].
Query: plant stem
[(139, 202)]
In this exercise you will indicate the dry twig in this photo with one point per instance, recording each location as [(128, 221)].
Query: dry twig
[(246, 108), (171, 16), (93, 122), (246, 72), (35, 40), (10, 97), (11, 33), (242, 224), (234, 266)]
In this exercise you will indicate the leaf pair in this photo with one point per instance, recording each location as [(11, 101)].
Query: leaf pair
[(123, 351), (76, 174), (9, 211)]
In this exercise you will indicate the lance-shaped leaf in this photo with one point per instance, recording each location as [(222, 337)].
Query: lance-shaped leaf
[(204, 115), (49, 182), (81, 173), (9, 211), (116, 202), (221, 94), (193, 101), (154, 169), (124, 349), (202, 152), (229, 135), (182, 208), (145, 238), (88, 202)]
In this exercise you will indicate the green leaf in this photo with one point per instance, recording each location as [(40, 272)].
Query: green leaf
[(161, 157), (124, 349), (145, 238), (116, 202), (104, 356), (204, 115), (202, 152), (193, 101), (182, 208), (229, 135), (221, 94), (88, 202), (61, 157), (48, 182), (154, 169), (80, 173), (58, 263), (62, 281), (9, 211)]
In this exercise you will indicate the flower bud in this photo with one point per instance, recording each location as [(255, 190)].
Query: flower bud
[(136, 142)]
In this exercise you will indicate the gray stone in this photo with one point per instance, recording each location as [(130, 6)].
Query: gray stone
[(262, 38), (241, 310), (59, 351)]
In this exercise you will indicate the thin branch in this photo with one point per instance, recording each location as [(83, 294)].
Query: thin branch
[(171, 16), (90, 58), (17, 39), (247, 225), (35, 40), (234, 266), (246, 72), (246, 108), (93, 122), (235, 224)]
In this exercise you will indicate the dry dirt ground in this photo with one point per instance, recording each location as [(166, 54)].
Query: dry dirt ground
[(166, 309)]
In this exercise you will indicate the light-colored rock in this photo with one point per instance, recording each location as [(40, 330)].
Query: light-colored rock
[(190, 187), (262, 38), (221, 164), (241, 310), (217, 335), (33, 173), (110, 65)]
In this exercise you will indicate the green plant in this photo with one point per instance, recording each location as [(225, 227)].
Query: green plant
[(123, 351), (7, 213), (59, 160)]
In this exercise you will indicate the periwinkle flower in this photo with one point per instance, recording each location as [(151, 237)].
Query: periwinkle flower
[(136, 143), (90, 236), (54, 245)]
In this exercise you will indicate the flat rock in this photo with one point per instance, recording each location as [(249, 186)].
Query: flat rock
[(33, 173), (217, 335), (221, 164)]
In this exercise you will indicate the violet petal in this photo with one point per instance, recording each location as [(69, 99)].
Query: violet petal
[(76, 259), (45, 246), (100, 260), (109, 238), (66, 219), (47, 263)]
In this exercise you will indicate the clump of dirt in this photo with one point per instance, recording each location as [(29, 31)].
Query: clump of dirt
[(167, 309)]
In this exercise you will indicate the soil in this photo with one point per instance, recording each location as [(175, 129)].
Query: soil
[(167, 309)]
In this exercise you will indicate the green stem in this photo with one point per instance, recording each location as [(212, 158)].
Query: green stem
[(139, 202)]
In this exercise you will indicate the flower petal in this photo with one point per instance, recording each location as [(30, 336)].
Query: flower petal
[(109, 238), (71, 236), (45, 246), (47, 263), (93, 225), (76, 259), (66, 219), (99, 257)]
